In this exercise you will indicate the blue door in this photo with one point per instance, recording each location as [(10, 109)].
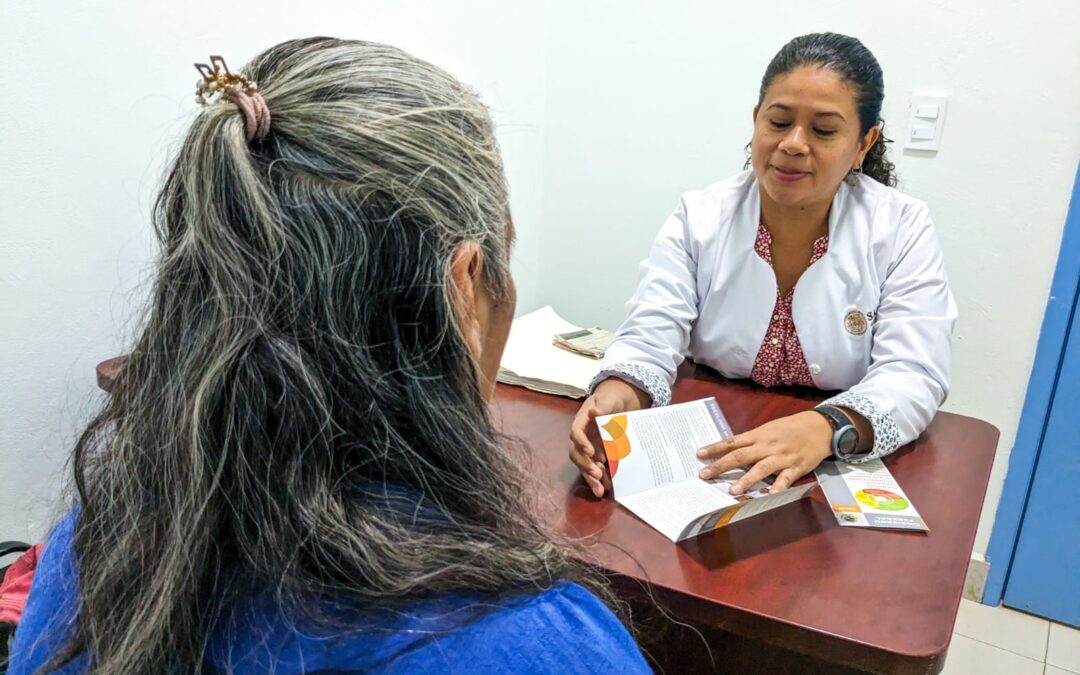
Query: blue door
[(1045, 575)]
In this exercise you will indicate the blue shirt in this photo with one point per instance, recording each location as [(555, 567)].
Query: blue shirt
[(565, 629)]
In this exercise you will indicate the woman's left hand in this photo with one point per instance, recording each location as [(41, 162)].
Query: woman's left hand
[(789, 447)]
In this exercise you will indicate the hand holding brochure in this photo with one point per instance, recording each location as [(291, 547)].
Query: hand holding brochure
[(652, 458)]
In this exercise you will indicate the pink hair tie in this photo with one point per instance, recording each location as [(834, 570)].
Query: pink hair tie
[(218, 83)]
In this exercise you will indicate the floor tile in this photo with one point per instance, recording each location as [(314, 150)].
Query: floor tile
[(971, 657), (1054, 670), (1001, 627), (1063, 650)]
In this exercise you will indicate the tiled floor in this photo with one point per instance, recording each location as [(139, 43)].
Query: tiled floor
[(992, 640)]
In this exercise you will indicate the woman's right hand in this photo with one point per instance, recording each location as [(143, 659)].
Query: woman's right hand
[(586, 449)]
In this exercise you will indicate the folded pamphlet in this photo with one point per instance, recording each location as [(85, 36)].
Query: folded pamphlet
[(867, 495)]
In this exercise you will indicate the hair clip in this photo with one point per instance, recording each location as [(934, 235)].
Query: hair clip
[(219, 82)]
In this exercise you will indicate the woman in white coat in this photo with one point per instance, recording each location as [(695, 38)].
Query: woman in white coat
[(808, 269)]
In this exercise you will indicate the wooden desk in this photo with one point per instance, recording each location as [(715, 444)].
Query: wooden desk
[(789, 591)]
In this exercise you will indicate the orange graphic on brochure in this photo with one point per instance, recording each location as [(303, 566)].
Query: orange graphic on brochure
[(619, 445), (727, 516)]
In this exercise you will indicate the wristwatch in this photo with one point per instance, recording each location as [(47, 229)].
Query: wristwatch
[(845, 439)]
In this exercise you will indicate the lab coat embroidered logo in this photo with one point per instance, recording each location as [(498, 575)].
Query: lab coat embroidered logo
[(855, 322)]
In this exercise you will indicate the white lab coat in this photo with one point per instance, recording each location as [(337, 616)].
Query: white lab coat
[(706, 294)]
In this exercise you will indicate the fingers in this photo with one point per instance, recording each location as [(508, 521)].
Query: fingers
[(784, 480), (584, 453), (725, 446), (592, 472), (758, 472), (579, 430), (595, 485), (585, 464), (739, 457)]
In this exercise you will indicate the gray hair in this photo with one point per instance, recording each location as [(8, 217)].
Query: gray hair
[(299, 357)]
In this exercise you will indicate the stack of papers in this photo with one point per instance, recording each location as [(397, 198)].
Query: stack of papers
[(531, 360), (591, 342)]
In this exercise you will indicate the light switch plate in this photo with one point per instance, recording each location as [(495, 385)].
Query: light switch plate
[(925, 130)]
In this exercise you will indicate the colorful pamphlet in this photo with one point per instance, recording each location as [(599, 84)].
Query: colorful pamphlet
[(867, 495), (652, 459)]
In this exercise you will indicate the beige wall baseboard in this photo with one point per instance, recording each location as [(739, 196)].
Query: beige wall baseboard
[(976, 578)]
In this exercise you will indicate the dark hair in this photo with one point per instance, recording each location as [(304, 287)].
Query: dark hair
[(299, 356), (850, 59)]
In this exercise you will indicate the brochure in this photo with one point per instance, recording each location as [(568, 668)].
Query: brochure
[(867, 495), (652, 459)]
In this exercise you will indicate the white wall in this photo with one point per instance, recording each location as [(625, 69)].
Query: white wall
[(645, 102), (606, 112), (96, 94)]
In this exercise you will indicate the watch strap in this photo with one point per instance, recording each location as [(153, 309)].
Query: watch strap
[(839, 421), (836, 418)]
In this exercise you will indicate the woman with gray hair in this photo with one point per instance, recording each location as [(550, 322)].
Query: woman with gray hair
[(296, 471)]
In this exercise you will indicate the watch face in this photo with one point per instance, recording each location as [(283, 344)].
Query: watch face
[(847, 440)]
